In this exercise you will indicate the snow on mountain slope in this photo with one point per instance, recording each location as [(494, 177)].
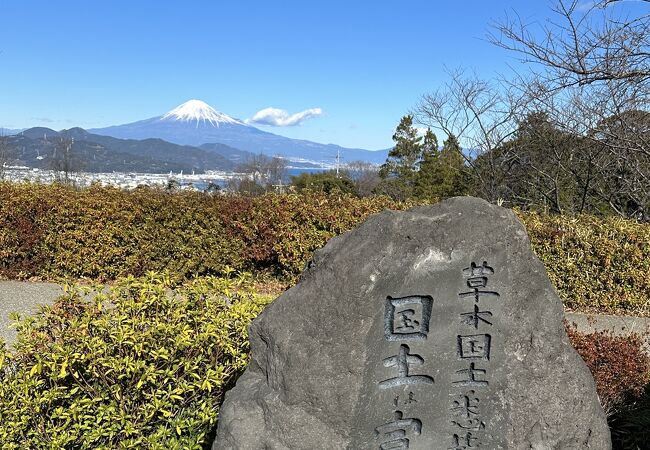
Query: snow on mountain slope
[(196, 110)]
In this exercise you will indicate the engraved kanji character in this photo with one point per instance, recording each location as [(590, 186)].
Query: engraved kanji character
[(467, 406), (405, 322), (470, 379), (467, 414), (478, 271), (463, 442), (478, 279), (404, 361), (411, 399), (407, 318), (393, 433), (473, 318), (474, 346)]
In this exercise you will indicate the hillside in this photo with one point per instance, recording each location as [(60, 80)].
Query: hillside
[(35, 147)]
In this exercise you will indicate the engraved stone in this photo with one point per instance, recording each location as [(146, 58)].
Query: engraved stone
[(477, 316), (471, 375), (393, 434), (434, 328), (464, 441)]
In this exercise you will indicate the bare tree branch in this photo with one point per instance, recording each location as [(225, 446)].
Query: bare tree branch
[(589, 71), (481, 114)]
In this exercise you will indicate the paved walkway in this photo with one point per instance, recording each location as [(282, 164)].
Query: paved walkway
[(618, 325), (24, 298)]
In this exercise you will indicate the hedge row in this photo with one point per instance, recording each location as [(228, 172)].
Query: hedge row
[(101, 233), (596, 264)]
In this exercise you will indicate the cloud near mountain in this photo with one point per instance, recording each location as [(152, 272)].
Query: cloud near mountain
[(281, 118)]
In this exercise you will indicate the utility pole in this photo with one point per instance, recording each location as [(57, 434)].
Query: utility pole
[(279, 187), (338, 161)]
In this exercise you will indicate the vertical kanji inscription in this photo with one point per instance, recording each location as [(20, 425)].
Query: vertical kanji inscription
[(472, 348)]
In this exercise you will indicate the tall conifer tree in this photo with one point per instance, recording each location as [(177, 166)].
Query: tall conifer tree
[(399, 171)]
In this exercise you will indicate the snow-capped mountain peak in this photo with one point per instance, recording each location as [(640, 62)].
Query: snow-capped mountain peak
[(199, 111)]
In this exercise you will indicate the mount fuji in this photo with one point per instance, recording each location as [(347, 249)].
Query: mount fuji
[(196, 123)]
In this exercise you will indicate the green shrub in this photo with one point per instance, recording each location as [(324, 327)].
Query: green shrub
[(141, 367), (102, 233), (599, 264)]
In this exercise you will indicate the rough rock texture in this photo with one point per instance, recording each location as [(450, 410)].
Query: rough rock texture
[(434, 328)]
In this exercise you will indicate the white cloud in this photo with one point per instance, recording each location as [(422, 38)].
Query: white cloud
[(281, 118), (421, 130), (43, 119)]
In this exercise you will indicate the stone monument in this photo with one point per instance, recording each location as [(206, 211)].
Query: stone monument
[(433, 328)]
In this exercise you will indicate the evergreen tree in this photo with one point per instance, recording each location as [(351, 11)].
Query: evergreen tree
[(399, 171), (428, 177), (452, 165), (441, 173), (539, 167), (327, 182), (430, 146)]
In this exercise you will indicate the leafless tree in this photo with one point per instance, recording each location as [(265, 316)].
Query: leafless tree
[(583, 45), (64, 160), (259, 174), (481, 114), (364, 175), (589, 71), (6, 153)]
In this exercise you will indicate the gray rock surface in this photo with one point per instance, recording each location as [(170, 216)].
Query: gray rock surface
[(434, 328)]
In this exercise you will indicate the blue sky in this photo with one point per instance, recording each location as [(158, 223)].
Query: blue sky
[(363, 63)]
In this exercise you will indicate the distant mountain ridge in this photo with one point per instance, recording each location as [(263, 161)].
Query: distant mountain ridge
[(197, 123), (34, 147), (192, 158), (9, 131)]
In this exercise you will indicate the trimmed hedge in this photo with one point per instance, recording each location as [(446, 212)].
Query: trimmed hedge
[(140, 367), (101, 233), (600, 264)]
